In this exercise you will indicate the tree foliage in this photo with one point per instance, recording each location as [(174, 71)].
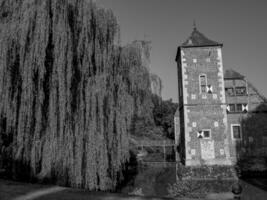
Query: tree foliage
[(68, 94), (163, 112)]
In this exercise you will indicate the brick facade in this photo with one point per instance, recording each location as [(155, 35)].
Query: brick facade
[(203, 110)]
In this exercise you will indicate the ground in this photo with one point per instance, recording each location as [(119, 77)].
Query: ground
[(11, 190)]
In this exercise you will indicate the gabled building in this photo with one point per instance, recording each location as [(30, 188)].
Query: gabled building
[(213, 106), (247, 116)]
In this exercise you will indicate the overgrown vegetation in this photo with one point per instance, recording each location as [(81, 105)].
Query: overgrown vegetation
[(163, 113)]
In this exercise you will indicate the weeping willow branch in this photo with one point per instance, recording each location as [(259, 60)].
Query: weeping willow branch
[(68, 94)]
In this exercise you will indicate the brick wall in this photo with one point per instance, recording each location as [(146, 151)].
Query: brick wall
[(203, 110)]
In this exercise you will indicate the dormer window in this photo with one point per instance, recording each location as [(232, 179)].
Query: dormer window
[(203, 83)]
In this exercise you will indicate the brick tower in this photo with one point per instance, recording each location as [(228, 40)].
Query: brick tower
[(204, 138)]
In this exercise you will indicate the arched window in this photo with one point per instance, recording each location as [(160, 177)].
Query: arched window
[(203, 83)]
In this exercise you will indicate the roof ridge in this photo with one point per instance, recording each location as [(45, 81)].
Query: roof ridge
[(257, 91)]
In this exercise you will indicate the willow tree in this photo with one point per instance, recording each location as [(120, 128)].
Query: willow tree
[(66, 92)]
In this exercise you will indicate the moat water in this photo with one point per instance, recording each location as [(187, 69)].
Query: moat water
[(254, 189)]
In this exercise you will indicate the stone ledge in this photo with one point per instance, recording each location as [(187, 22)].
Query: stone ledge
[(204, 172)]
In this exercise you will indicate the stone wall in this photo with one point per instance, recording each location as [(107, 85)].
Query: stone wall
[(214, 172)]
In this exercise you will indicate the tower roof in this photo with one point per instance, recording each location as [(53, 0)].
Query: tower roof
[(197, 39)]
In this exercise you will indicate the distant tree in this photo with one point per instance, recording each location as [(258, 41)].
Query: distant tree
[(163, 113)]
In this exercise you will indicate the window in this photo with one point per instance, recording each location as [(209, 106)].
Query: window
[(203, 83), (231, 108), (240, 91), (229, 91), (206, 133), (236, 131), (239, 108)]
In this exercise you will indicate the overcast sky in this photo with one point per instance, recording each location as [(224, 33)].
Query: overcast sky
[(241, 25)]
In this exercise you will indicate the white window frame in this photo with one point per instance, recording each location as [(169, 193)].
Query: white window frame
[(206, 138), (199, 80), (232, 132)]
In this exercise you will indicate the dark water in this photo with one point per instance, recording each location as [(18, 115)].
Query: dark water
[(254, 189)]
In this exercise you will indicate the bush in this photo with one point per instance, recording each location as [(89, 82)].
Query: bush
[(187, 189), (199, 188)]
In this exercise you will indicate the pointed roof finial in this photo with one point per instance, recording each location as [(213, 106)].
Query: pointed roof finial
[(194, 25), (197, 39)]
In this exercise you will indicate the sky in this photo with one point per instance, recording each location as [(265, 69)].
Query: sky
[(241, 25)]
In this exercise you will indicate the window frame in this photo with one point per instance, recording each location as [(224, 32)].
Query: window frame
[(232, 132), (232, 111), (200, 84)]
